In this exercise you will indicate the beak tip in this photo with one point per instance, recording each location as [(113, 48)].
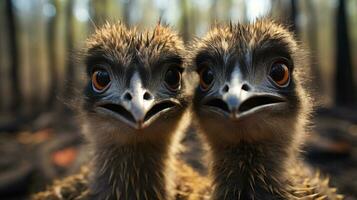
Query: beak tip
[(234, 114), (139, 124)]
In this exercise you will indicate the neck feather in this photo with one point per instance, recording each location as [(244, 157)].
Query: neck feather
[(130, 172), (250, 170)]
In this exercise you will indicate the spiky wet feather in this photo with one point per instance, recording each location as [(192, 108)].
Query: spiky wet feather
[(123, 44)]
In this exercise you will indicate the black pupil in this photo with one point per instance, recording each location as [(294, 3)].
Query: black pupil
[(277, 72), (207, 76), (103, 78), (172, 78)]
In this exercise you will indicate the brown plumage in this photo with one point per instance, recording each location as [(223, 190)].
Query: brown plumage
[(252, 108), (72, 187), (189, 185), (133, 111)]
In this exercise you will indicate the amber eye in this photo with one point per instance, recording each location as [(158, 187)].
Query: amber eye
[(279, 73), (100, 80), (173, 79), (206, 78)]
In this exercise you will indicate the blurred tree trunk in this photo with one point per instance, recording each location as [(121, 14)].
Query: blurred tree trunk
[(345, 91), (70, 71), (32, 103), (14, 60), (228, 8), (99, 11), (2, 95), (243, 9), (184, 25), (277, 9), (126, 11), (293, 16), (312, 33), (214, 11), (1, 81), (52, 54)]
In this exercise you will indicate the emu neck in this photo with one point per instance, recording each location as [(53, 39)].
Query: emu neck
[(250, 171), (130, 172)]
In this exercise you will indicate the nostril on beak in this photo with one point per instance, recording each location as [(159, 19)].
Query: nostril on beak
[(147, 96), (225, 88), (246, 87), (128, 96)]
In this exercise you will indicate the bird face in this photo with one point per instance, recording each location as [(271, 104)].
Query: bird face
[(134, 79), (248, 89)]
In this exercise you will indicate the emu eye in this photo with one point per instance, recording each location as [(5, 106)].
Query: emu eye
[(100, 80), (206, 78), (279, 73), (173, 79)]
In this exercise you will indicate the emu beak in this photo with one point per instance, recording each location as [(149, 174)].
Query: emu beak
[(237, 99), (240, 103), (137, 107), (137, 115), (250, 102)]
